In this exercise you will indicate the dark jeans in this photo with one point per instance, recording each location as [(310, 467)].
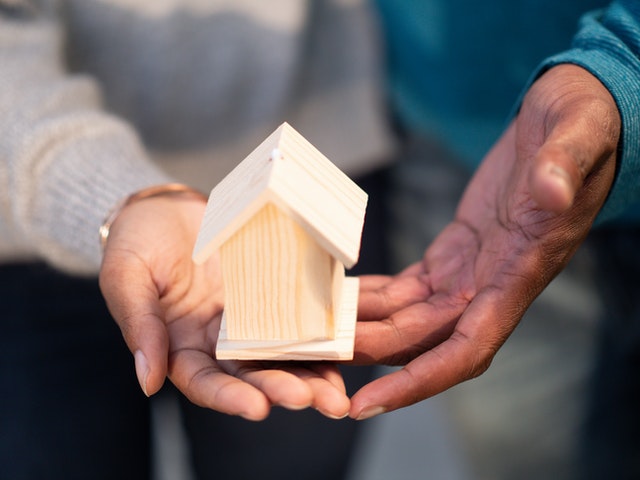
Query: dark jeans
[(612, 431), (71, 408)]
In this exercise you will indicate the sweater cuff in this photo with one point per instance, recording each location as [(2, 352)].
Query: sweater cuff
[(81, 182), (613, 62)]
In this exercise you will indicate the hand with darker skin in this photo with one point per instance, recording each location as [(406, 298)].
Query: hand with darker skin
[(523, 215), (169, 311)]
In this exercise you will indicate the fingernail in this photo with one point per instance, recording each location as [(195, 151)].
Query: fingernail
[(334, 417), (560, 173), (251, 417), (371, 412), (294, 406), (142, 369)]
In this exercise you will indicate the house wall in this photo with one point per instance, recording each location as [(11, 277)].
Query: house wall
[(278, 281)]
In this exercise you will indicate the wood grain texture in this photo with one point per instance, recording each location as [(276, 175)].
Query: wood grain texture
[(302, 182), (279, 281), (338, 349), (286, 222)]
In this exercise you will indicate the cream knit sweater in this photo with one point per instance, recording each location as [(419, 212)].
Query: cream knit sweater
[(99, 98)]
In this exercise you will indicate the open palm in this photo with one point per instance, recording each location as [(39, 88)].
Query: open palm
[(169, 311), (523, 215)]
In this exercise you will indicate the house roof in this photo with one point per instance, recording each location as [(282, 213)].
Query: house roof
[(291, 173)]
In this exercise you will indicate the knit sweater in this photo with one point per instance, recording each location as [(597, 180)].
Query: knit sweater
[(457, 66), (100, 98)]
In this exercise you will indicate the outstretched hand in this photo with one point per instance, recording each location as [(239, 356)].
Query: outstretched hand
[(525, 212), (169, 311)]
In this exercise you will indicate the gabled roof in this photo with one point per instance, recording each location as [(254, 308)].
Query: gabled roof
[(291, 173)]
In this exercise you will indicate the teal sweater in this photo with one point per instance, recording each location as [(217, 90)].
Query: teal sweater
[(457, 66)]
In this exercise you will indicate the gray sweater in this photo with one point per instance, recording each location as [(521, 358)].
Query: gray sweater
[(99, 98)]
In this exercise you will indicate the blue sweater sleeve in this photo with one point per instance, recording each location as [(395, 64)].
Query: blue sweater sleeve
[(608, 45)]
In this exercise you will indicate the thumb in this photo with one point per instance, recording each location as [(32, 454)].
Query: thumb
[(581, 135), (556, 176), (133, 300), (575, 149)]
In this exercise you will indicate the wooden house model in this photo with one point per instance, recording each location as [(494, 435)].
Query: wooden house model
[(286, 222)]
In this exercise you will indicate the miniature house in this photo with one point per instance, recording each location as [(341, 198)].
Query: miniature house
[(286, 222)]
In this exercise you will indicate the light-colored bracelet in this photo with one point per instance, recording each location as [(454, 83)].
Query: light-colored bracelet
[(149, 192)]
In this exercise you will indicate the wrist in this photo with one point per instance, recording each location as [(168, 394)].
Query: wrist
[(165, 190)]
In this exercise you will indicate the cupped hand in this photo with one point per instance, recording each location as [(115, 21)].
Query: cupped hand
[(169, 311), (523, 215)]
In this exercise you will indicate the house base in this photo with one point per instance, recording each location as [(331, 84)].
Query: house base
[(339, 348)]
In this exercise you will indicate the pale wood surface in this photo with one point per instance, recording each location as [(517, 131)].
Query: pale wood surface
[(286, 221), (338, 349), (278, 281), (291, 173)]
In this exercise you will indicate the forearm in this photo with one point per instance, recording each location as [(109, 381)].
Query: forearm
[(64, 161)]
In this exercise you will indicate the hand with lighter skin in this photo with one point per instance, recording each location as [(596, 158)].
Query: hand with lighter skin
[(523, 215), (169, 311)]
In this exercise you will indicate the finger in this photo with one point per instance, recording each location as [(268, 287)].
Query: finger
[(329, 390), (331, 373), (132, 299), (297, 386), (465, 354), (576, 144), (375, 304), (408, 332), (278, 383), (202, 381), (552, 186), (373, 282)]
